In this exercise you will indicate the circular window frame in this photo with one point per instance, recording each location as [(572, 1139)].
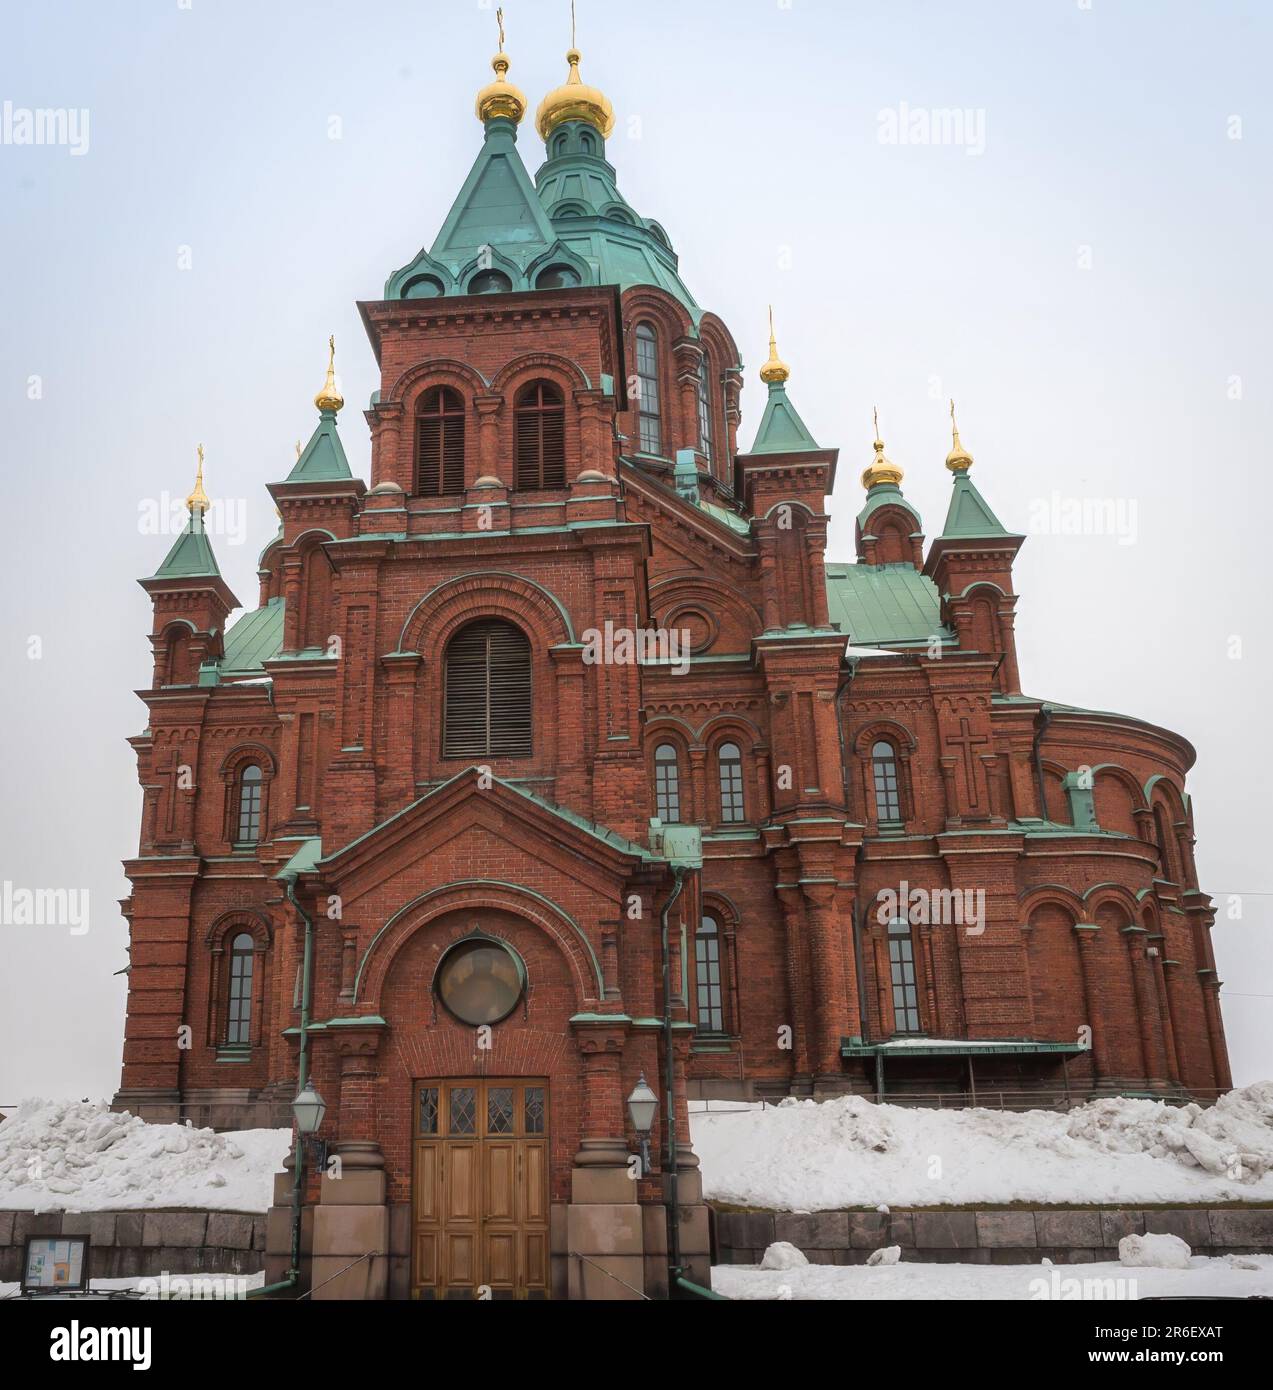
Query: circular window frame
[(480, 938)]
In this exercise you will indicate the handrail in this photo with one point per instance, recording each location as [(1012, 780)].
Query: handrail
[(370, 1255), (645, 1297)]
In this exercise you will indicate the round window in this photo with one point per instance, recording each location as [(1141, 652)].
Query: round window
[(480, 981)]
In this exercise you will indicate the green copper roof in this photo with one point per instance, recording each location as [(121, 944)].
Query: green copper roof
[(191, 557), (254, 639), (782, 431), (575, 218), (881, 604), (970, 514), (882, 495), (323, 458)]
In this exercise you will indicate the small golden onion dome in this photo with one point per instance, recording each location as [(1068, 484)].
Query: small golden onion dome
[(882, 470), (575, 101), (959, 460), (775, 371), (198, 499), (329, 399), (501, 98)]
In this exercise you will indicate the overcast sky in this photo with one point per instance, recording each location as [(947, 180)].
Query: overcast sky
[(1083, 263)]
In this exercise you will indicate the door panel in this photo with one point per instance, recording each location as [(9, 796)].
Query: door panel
[(480, 1189)]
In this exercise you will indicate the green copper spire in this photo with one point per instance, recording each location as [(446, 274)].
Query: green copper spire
[(191, 557), (323, 458), (969, 516), (781, 431)]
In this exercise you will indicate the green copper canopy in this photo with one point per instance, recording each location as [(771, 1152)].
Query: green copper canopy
[(885, 495), (191, 557), (970, 515), (782, 431), (323, 458)]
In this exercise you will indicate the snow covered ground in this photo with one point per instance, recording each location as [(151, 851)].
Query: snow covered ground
[(176, 1287), (77, 1156), (806, 1156), (1204, 1278)]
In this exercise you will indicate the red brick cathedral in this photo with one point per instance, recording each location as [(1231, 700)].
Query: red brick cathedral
[(561, 757)]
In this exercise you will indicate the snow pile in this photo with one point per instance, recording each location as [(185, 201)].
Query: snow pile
[(77, 1156), (783, 1255), (1203, 1278), (804, 1155), (1154, 1252)]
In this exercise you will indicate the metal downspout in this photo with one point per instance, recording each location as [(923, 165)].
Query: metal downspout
[(859, 916), (302, 1073), (671, 1193)]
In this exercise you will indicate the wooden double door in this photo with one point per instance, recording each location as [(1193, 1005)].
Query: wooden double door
[(480, 1189)]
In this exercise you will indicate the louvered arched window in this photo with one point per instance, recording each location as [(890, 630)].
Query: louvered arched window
[(488, 692), (704, 410), (540, 416), (439, 443)]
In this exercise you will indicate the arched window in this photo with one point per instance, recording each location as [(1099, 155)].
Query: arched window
[(248, 822), (649, 405), (559, 144), (888, 797), (439, 454), (557, 277), (704, 410), (423, 287), (488, 692), (707, 975), (540, 424), (587, 144), (901, 961), (1166, 845), (667, 784), (490, 282), (238, 1031), (730, 762)]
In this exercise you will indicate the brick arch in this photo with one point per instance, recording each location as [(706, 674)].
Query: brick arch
[(462, 898), (533, 366), (440, 371), (486, 593), (217, 941), (236, 919), (1050, 895), (891, 730), (1114, 895), (717, 338), (716, 599), (731, 728), (668, 314)]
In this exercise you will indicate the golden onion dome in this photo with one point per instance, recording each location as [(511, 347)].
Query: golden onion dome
[(198, 499), (501, 98), (329, 398), (959, 460), (775, 371), (882, 470), (575, 101)]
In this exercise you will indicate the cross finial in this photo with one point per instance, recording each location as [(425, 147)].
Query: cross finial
[(198, 499), (878, 440), (499, 19), (298, 451), (959, 460), (573, 43)]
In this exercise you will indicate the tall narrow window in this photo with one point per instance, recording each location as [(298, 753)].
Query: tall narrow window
[(711, 1007), (649, 406), (888, 800), (439, 443), (248, 823), (704, 410), (238, 1032), (667, 784), (488, 693), (540, 424), (901, 961), (730, 762)]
